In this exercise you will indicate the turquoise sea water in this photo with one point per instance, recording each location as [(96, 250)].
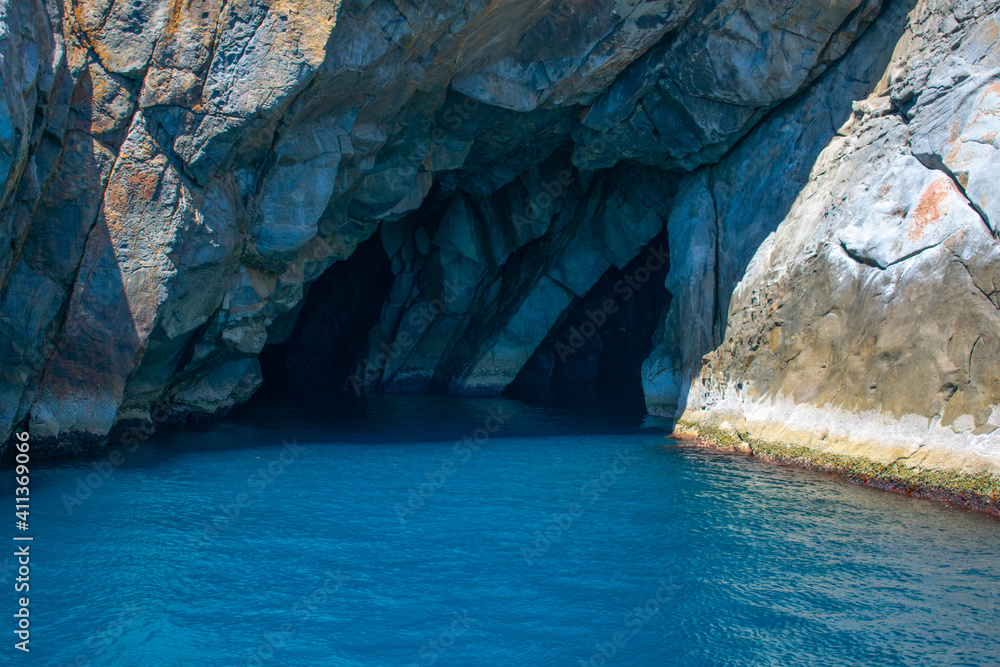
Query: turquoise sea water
[(368, 533)]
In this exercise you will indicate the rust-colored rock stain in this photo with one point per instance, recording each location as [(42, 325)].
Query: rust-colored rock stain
[(928, 211)]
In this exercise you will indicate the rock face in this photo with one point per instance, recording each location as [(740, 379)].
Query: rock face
[(865, 324), (819, 178)]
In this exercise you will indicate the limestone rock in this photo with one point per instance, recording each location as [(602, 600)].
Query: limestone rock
[(432, 193), (865, 325)]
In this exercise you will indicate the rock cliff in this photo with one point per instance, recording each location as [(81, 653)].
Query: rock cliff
[(862, 328), (461, 197)]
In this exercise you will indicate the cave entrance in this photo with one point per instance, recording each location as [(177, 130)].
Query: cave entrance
[(593, 355), (604, 337), (318, 343)]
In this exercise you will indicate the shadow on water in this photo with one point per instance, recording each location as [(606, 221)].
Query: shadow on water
[(308, 415), (590, 408)]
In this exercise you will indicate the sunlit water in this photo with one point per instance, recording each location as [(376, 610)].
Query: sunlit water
[(565, 537)]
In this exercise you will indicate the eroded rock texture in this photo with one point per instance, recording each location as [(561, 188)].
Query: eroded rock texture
[(866, 321), (178, 175)]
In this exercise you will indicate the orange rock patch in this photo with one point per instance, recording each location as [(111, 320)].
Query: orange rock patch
[(929, 211)]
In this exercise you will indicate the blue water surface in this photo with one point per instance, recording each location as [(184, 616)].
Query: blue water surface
[(368, 533)]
